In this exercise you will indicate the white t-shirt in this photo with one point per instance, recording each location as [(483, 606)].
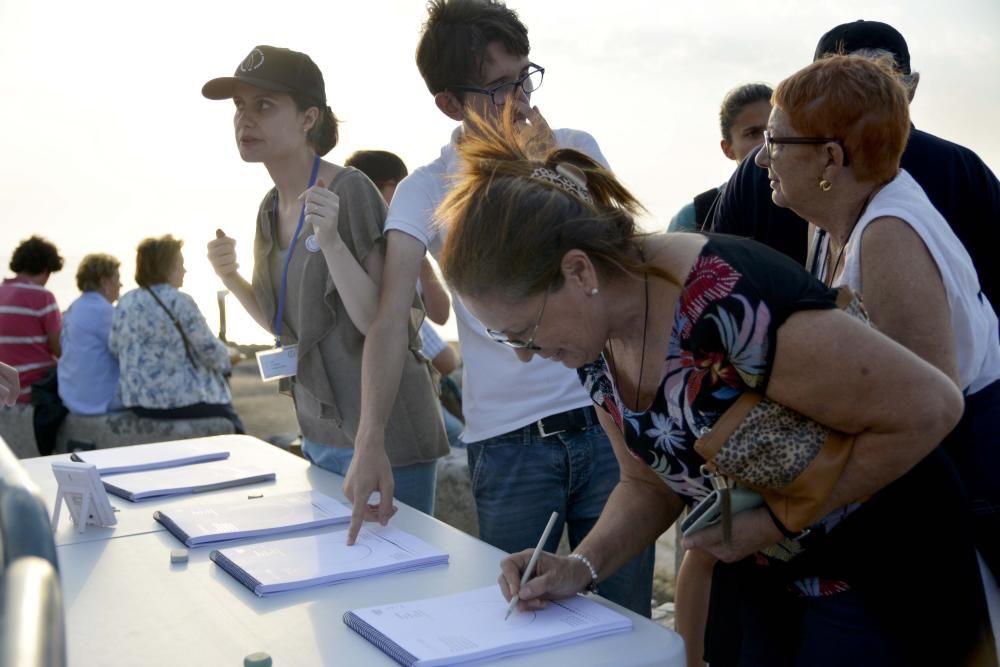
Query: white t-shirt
[(499, 392), (973, 321)]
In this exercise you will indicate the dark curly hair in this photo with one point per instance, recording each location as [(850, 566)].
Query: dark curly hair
[(35, 256)]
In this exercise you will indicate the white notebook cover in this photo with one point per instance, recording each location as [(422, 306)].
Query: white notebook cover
[(470, 626), (271, 514), (182, 480), (277, 566), (133, 459)]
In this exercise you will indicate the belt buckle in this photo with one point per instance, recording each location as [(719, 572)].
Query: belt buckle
[(541, 429)]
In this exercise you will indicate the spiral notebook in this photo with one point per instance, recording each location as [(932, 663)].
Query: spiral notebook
[(252, 517), (277, 566), (197, 478), (133, 459), (467, 626)]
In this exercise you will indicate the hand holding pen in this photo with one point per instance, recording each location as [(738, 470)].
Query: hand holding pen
[(530, 569)]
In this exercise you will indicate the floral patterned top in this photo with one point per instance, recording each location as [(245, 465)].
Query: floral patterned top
[(735, 298), (155, 370)]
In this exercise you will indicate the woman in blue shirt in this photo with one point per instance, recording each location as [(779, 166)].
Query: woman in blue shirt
[(88, 371)]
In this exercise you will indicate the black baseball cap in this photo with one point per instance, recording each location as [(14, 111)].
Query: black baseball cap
[(272, 68), (849, 37)]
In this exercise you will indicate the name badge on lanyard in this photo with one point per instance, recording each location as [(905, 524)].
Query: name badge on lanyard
[(278, 363), (283, 361)]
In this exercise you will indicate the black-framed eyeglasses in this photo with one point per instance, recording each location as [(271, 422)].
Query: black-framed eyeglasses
[(770, 142), (504, 339), (500, 93)]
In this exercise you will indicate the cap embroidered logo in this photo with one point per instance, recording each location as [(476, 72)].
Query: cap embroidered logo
[(252, 61)]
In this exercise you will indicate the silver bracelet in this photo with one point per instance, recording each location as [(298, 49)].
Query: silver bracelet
[(592, 586)]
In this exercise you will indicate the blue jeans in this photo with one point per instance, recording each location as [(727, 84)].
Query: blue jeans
[(519, 478), (415, 483)]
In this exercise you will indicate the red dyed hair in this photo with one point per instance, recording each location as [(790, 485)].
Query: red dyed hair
[(857, 100)]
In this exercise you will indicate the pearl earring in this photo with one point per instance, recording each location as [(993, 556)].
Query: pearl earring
[(593, 291)]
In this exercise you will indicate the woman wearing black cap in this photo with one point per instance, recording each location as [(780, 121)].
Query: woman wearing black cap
[(318, 256)]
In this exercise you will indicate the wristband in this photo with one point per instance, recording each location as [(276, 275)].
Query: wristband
[(784, 531), (592, 586)]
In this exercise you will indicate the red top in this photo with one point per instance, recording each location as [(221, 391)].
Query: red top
[(28, 315)]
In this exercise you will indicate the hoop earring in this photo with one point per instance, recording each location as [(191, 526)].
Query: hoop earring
[(825, 185)]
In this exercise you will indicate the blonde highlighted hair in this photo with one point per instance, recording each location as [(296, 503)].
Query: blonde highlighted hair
[(93, 269), (508, 229)]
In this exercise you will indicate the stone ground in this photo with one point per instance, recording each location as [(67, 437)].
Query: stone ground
[(270, 416)]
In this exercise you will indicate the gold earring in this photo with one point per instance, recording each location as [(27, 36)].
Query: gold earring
[(825, 185)]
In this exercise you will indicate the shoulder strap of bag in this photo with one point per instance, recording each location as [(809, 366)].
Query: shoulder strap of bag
[(177, 325)]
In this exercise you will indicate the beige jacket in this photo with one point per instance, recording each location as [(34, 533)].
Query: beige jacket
[(327, 386)]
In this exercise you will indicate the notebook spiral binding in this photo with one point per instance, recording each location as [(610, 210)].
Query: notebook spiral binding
[(383, 643), (238, 573), (177, 531), (117, 491)]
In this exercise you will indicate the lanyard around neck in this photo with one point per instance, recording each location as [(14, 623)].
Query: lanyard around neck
[(288, 255)]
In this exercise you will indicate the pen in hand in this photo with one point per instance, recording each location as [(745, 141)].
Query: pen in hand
[(531, 562)]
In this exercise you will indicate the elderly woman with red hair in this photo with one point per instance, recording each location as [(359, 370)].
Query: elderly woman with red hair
[(832, 152)]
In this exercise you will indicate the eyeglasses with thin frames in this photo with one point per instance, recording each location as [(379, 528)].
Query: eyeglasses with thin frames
[(771, 141), (504, 339), (500, 93)]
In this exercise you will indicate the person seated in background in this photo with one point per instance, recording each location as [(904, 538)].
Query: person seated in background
[(386, 170), (29, 316), (171, 364), (742, 119), (88, 371)]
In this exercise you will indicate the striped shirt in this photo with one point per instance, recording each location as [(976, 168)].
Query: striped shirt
[(28, 316)]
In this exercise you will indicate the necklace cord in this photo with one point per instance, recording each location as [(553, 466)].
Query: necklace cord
[(642, 355), (840, 255)]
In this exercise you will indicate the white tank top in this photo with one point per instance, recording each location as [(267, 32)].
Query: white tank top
[(973, 321)]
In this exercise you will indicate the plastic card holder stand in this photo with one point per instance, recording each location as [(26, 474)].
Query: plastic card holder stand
[(81, 488)]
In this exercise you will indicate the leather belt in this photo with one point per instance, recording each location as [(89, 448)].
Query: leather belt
[(571, 420)]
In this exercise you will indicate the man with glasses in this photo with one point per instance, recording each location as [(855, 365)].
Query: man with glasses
[(534, 442)]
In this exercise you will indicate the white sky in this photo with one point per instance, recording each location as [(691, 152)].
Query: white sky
[(105, 138)]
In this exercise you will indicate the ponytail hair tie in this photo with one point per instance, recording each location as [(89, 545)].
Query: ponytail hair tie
[(568, 178)]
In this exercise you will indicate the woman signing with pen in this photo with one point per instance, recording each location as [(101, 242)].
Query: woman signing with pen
[(668, 333), (318, 257)]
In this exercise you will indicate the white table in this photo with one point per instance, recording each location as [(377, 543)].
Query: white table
[(127, 605)]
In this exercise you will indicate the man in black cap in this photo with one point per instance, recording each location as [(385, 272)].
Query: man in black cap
[(956, 180)]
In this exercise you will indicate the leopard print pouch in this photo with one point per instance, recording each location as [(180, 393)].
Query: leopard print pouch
[(788, 458)]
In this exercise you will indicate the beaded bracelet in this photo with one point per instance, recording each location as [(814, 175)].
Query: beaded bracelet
[(592, 586)]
